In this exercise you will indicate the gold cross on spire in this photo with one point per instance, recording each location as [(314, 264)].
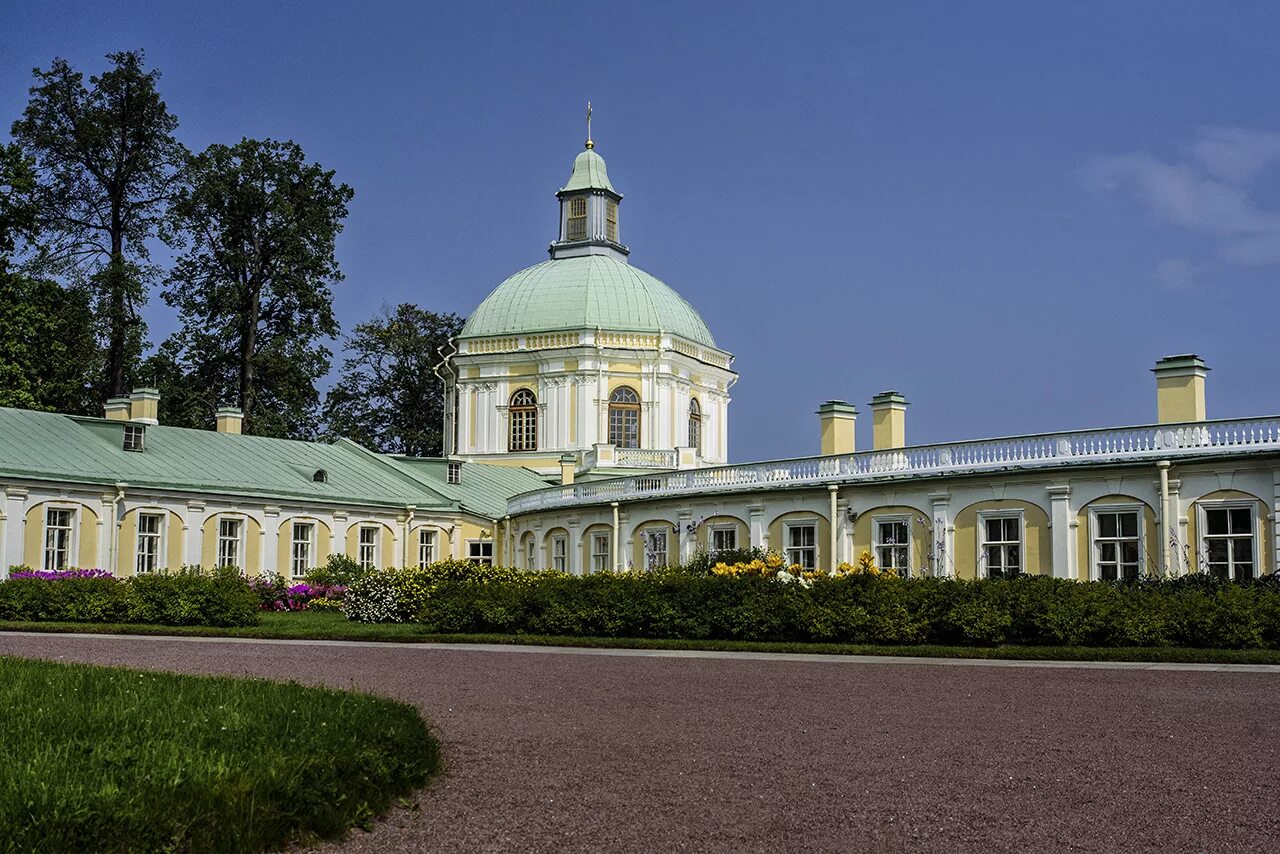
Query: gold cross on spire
[(590, 144)]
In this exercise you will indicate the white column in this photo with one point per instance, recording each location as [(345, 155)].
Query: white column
[(15, 517), (465, 392), (106, 530), (455, 540), (269, 544), (573, 560), (845, 550), (759, 534), (943, 535), (193, 532), (1061, 530), (833, 497), (1184, 531), (616, 539), (687, 539)]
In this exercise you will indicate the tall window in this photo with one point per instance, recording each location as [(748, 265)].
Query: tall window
[(426, 547), (524, 421), (655, 549), (230, 533), (600, 554), (893, 546), (695, 425), (150, 526), (560, 554), (59, 533), (480, 551), (624, 418), (576, 228), (530, 554), (1116, 543), (802, 544), (1002, 545), (302, 557), (611, 220), (724, 539), (1228, 542), (367, 551)]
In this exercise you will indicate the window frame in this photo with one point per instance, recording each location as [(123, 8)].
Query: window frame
[(72, 529), (989, 515), (1202, 533), (241, 547), (522, 422), (721, 528), (427, 550), (600, 560), (626, 411), (1096, 538), (575, 224), (560, 561), (787, 548), (158, 537), (376, 546), (310, 544), (483, 560), (694, 426), (611, 220), (648, 537), (877, 543)]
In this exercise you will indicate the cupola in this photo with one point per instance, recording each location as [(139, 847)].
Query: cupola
[(589, 209)]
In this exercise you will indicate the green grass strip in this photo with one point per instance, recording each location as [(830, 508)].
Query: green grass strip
[(334, 626), (116, 760)]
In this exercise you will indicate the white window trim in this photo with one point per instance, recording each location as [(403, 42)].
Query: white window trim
[(562, 541), (876, 544), (983, 516), (312, 545), (377, 544), (645, 533), (786, 539), (607, 554), (478, 541), (73, 541), (530, 552), (1094, 527), (711, 536), (435, 544), (1202, 526), (242, 547), (161, 547)]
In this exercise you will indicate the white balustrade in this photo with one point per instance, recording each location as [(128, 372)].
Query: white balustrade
[(1166, 441)]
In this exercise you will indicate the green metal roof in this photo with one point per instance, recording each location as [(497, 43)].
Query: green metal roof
[(50, 446), (484, 488), (589, 173), (588, 292)]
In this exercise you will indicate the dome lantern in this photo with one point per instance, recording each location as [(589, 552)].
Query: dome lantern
[(589, 209)]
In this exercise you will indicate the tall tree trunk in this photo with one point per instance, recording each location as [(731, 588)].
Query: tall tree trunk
[(248, 342), (116, 288)]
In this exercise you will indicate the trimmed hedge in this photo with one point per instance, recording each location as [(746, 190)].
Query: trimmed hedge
[(169, 600), (1193, 611)]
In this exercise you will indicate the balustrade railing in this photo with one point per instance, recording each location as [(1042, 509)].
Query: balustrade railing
[(1172, 441), (644, 458)]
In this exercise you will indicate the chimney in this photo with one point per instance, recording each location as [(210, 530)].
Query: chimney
[(116, 409), (144, 405), (229, 419), (1180, 388), (568, 463), (888, 421), (837, 418)]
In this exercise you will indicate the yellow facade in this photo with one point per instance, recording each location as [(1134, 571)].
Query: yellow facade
[(888, 428), (921, 538), (1037, 548), (127, 559), (321, 545), (584, 551), (777, 534), (1151, 540), (86, 533), (703, 536), (386, 542), (252, 542), (637, 543), (1191, 560), (1180, 398)]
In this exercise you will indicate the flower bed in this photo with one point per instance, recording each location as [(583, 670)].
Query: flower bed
[(275, 595)]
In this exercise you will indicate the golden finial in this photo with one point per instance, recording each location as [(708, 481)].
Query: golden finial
[(590, 144)]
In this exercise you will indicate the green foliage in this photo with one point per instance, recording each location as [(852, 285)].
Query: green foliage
[(105, 158), (182, 599), (701, 562), (117, 760), (388, 396), (851, 609), (338, 569), (397, 595), (49, 355), (256, 227)]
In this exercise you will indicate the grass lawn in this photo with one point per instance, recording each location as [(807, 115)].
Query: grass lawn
[(110, 759), (334, 626)]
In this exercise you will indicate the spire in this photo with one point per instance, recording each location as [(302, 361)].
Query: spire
[(590, 144)]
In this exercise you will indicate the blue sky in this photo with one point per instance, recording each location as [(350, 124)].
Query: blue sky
[(1007, 211)]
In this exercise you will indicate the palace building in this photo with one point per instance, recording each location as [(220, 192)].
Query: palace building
[(587, 430)]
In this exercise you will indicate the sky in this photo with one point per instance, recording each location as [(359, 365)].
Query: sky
[(1006, 211)]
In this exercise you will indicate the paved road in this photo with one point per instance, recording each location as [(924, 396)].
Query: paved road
[(552, 752)]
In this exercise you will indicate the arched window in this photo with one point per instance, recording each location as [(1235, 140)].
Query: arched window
[(524, 421), (624, 418), (695, 425), (576, 227)]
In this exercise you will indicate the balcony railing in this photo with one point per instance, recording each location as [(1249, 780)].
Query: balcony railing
[(645, 458), (1125, 444)]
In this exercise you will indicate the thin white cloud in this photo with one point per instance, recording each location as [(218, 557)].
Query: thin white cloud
[(1208, 193)]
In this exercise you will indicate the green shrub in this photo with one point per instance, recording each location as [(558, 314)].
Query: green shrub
[(337, 570), (183, 599)]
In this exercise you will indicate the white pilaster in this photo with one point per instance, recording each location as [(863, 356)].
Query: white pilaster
[(269, 543), (759, 533), (1062, 531), (943, 535), (15, 519), (193, 532)]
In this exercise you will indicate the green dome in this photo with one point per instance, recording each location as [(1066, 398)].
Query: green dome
[(585, 293), (589, 173)]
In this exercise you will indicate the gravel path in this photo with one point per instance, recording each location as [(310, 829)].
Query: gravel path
[(552, 752)]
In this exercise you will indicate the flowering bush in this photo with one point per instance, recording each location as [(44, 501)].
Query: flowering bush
[(397, 595), (275, 595), (323, 604), (49, 575)]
